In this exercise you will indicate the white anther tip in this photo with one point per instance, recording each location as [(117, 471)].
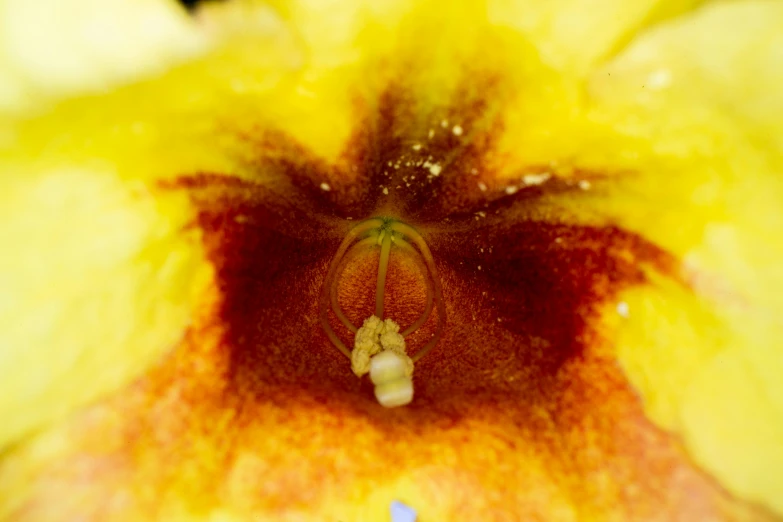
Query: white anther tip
[(385, 367), (395, 393)]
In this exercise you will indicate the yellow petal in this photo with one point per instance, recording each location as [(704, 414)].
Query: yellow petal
[(697, 171), (100, 281), (574, 36), (51, 49), (104, 260), (99, 263)]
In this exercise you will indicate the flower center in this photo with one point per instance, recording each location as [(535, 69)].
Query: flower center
[(379, 348)]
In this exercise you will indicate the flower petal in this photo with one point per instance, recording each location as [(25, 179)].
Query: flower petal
[(574, 36), (99, 282), (698, 161), (96, 238), (51, 49)]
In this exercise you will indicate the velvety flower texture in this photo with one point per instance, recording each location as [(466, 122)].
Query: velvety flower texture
[(599, 184)]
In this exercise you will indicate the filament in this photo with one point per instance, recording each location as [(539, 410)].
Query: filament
[(428, 307), (338, 311), (429, 261), (383, 232), (383, 266), (365, 226)]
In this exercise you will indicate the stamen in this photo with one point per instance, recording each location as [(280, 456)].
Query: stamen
[(384, 232)]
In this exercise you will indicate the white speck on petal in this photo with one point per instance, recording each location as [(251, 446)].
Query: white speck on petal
[(385, 190), (535, 179), (435, 170), (430, 134), (511, 189), (444, 123), (325, 186), (584, 184), (622, 309), (457, 130), (417, 146), (482, 187)]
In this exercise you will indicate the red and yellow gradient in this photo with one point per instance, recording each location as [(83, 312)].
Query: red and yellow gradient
[(599, 187)]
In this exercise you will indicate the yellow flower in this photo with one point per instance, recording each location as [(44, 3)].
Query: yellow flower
[(599, 183)]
